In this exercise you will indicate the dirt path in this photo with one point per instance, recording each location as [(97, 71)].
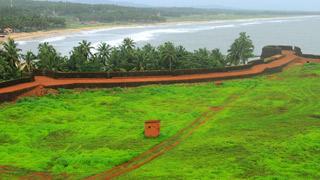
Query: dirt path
[(164, 146), (156, 151)]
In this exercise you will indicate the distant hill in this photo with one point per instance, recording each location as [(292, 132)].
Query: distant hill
[(308, 5), (114, 2), (131, 4), (31, 15)]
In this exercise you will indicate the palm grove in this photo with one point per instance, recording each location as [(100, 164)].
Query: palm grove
[(126, 57)]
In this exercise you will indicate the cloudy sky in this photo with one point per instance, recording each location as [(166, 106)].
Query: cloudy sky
[(310, 5)]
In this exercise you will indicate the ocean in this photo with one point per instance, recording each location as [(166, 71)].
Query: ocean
[(302, 31)]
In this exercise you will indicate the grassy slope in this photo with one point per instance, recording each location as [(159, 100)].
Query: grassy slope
[(270, 132), (85, 133)]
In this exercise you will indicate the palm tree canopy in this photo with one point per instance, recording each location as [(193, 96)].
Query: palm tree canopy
[(126, 57), (241, 50), (168, 54), (11, 52), (128, 44)]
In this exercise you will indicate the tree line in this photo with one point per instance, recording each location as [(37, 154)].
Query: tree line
[(22, 20), (125, 57)]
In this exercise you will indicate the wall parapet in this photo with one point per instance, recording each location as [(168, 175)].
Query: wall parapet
[(271, 50), (16, 81), (310, 56), (238, 72), (177, 72)]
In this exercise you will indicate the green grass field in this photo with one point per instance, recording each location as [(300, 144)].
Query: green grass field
[(83, 133), (270, 131)]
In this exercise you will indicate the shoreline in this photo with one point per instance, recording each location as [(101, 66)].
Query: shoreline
[(66, 31), (60, 32)]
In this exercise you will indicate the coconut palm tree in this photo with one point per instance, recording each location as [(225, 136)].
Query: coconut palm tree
[(241, 50), (114, 61), (11, 53), (49, 58), (140, 60), (168, 54), (217, 59), (29, 62), (202, 58), (5, 70), (103, 55), (128, 44), (150, 57), (82, 59), (128, 54), (86, 49)]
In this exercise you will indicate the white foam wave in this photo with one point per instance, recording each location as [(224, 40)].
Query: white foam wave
[(205, 28), (54, 39), (22, 42), (182, 28), (97, 31), (265, 21), (143, 36), (251, 23), (281, 21), (113, 28)]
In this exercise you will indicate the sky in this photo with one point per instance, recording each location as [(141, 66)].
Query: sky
[(304, 5)]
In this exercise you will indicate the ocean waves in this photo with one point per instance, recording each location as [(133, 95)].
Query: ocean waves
[(175, 32), (148, 33)]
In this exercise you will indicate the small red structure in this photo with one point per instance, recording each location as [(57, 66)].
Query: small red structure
[(152, 128)]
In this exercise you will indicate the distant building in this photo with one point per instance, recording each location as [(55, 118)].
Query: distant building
[(2, 35), (7, 30)]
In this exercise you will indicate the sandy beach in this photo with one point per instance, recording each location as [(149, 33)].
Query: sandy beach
[(58, 32)]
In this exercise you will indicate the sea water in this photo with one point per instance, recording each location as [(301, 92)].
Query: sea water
[(302, 31)]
